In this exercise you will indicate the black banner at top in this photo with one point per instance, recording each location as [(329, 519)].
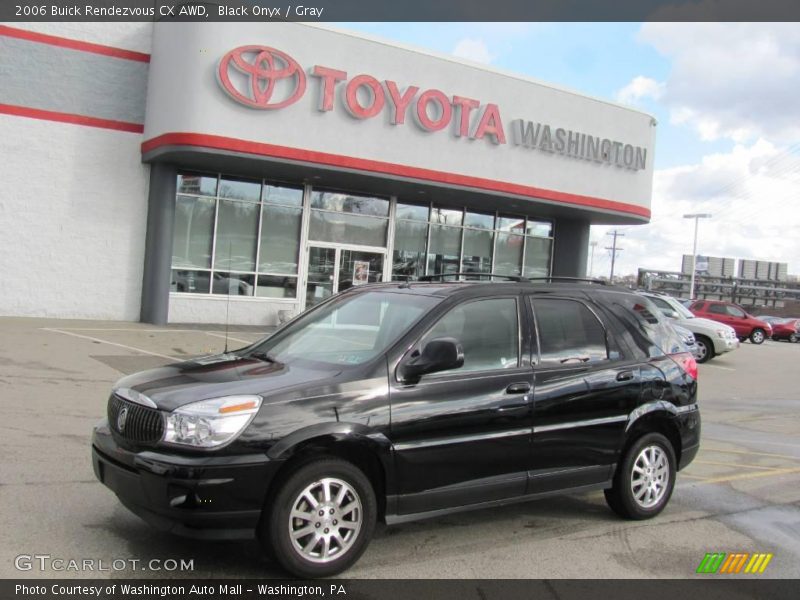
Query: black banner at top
[(400, 10)]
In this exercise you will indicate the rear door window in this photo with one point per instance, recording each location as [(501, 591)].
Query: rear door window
[(718, 309), (735, 311), (568, 331)]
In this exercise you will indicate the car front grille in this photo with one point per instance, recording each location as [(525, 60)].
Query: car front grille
[(139, 424)]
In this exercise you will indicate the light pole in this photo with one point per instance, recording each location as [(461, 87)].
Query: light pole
[(696, 217), (591, 259)]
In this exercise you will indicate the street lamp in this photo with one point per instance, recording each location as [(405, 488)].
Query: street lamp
[(696, 217)]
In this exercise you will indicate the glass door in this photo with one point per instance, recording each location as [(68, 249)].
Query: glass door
[(333, 269)]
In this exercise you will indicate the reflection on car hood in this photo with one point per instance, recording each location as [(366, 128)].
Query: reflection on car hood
[(175, 385)]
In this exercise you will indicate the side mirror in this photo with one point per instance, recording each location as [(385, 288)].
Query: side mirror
[(671, 314), (440, 354)]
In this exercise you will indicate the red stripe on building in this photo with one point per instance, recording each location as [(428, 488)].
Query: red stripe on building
[(54, 40), (374, 166), (61, 117)]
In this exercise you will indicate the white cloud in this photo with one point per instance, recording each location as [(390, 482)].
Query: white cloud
[(753, 193), (473, 49), (640, 87), (731, 80)]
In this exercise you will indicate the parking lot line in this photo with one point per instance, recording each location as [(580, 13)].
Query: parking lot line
[(228, 337), (720, 367), (100, 341), (738, 465), (748, 452), (740, 476)]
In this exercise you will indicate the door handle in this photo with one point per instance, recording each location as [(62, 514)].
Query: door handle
[(521, 387), (624, 375)]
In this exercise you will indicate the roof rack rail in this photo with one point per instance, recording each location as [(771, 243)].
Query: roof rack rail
[(561, 278), (439, 276)]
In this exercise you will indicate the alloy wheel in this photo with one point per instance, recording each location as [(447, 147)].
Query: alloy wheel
[(650, 476), (325, 520)]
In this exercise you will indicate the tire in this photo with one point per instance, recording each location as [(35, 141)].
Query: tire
[(305, 555), (793, 338), (757, 336), (624, 497), (705, 348)]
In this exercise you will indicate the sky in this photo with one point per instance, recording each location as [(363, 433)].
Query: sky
[(726, 98)]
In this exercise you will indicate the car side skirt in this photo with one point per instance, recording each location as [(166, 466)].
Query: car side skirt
[(396, 519)]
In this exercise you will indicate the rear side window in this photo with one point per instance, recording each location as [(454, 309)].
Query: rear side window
[(646, 327), (568, 332), (698, 305), (488, 331)]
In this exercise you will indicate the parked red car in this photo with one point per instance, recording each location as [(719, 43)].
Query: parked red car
[(784, 329), (746, 325)]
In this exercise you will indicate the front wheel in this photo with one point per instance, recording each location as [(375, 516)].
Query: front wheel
[(705, 349), (644, 479), (758, 336), (793, 338), (321, 519)]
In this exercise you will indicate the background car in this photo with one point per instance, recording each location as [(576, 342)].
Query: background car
[(711, 337), (745, 324), (783, 328)]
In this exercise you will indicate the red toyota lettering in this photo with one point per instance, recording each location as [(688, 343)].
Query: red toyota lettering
[(490, 124), (401, 102), (445, 111), (329, 77), (352, 102)]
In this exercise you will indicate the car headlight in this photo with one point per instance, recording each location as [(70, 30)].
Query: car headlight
[(722, 333), (211, 423)]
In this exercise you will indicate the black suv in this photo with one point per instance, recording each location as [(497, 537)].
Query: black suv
[(401, 401)]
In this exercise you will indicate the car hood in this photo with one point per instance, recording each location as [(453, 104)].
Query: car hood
[(173, 386), (702, 323)]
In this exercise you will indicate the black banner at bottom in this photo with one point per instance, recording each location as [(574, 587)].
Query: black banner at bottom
[(710, 588)]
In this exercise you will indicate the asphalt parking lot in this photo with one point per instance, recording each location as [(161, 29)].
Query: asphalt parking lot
[(742, 493)]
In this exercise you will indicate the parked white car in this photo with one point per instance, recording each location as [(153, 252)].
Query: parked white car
[(711, 337)]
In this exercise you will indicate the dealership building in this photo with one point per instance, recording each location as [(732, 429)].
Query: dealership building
[(198, 172)]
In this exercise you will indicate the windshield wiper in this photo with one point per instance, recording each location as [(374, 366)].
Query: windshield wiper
[(263, 356)]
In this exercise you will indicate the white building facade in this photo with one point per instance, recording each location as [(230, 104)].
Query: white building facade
[(181, 172)]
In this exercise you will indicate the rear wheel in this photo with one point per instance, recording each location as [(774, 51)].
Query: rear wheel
[(321, 519), (644, 479), (793, 338), (705, 349), (758, 336)]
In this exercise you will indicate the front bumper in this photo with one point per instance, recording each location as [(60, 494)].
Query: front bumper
[(216, 497), (722, 345)]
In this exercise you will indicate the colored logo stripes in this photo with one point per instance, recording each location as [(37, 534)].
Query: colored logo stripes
[(735, 562)]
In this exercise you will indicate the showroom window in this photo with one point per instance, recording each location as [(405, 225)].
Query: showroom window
[(236, 236), (431, 239), (344, 218)]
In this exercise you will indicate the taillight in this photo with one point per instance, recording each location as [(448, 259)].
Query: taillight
[(686, 362)]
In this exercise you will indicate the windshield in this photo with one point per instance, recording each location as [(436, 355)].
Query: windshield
[(679, 308), (348, 330)]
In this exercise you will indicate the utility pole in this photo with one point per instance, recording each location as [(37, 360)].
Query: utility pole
[(696, 217), (614, 251), (593, 245)]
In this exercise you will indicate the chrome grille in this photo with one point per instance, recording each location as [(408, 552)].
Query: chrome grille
[(140, 424)]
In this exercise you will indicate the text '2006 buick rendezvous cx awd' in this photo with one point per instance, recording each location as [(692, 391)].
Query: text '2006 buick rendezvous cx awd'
[(401, 401)]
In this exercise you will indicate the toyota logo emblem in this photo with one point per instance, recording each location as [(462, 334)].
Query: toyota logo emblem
[(252, 75), (121, 418)]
